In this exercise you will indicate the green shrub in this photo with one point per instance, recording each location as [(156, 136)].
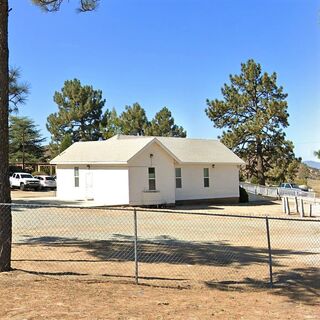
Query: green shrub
[(244, 198), (254, 180), (39, 173)]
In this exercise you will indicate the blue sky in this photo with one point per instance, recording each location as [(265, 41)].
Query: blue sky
[(174, 53)]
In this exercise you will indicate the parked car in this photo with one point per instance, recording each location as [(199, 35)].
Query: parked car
[(47, 182), (294, 186), (289, 186), (24, 181)]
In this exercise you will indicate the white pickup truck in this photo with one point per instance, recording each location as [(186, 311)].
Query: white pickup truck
[(24, 181)]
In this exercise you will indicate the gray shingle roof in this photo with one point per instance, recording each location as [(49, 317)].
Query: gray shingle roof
[(120, 149)]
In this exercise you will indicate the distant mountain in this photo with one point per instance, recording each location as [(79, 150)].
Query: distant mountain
[(312, 164)]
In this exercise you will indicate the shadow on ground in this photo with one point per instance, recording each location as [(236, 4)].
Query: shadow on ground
[(297, 284), (165, 249), (300, 285), (253, 203)]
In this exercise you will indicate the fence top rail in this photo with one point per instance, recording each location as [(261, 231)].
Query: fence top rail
[(262, 217), (162, 210), (247, 184), (307, 199)]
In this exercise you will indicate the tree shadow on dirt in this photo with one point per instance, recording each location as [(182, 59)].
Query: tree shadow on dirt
[(165, 249), (29, 204), (204, 206), (299, 285), (51, 273)]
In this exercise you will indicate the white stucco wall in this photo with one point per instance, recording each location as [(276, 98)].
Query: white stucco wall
[(223, 182), (65, 183), (165, 177), (103, 184)]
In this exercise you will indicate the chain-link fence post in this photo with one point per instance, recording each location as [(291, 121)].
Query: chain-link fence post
[(136, 246), (269, 252)]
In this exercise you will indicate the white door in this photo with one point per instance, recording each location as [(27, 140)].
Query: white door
[(89, 186)]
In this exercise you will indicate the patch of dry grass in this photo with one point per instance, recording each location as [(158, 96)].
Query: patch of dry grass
[(315, 185)]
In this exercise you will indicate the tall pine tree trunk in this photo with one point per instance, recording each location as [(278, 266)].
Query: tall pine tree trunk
[(260, 166), (5, 209)]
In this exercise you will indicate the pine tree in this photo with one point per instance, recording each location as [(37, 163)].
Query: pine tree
[(133, 121), (66, 142), (25, 141), (303, 174), (163, 125), (254, 112), (5, 211), (79, 113), (18, 91), (110, 124), (54, 5)]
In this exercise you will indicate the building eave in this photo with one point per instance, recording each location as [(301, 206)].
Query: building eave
[(212, 163), (89, 162)]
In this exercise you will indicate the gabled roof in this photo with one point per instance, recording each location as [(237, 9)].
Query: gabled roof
[(111, 151), (120, 149), (200, 150)]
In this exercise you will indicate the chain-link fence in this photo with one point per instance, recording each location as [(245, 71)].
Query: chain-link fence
[(164, 247)]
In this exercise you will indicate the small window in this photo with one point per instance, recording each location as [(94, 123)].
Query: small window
[(206, 177), (76, 176), (178, 178), (152, 178)]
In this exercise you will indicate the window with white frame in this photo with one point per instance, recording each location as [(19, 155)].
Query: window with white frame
[(206, 177), (76, 176), (152, 178), (178, 178)]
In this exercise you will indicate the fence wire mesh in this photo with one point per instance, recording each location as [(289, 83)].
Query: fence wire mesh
[(201, 247), (172, 248), (296, 251), (72, 241)]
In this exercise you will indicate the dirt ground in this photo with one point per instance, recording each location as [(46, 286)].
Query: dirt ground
[(27, 296), (78, 264), (315, 185), (29, 194), (258, 205)]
